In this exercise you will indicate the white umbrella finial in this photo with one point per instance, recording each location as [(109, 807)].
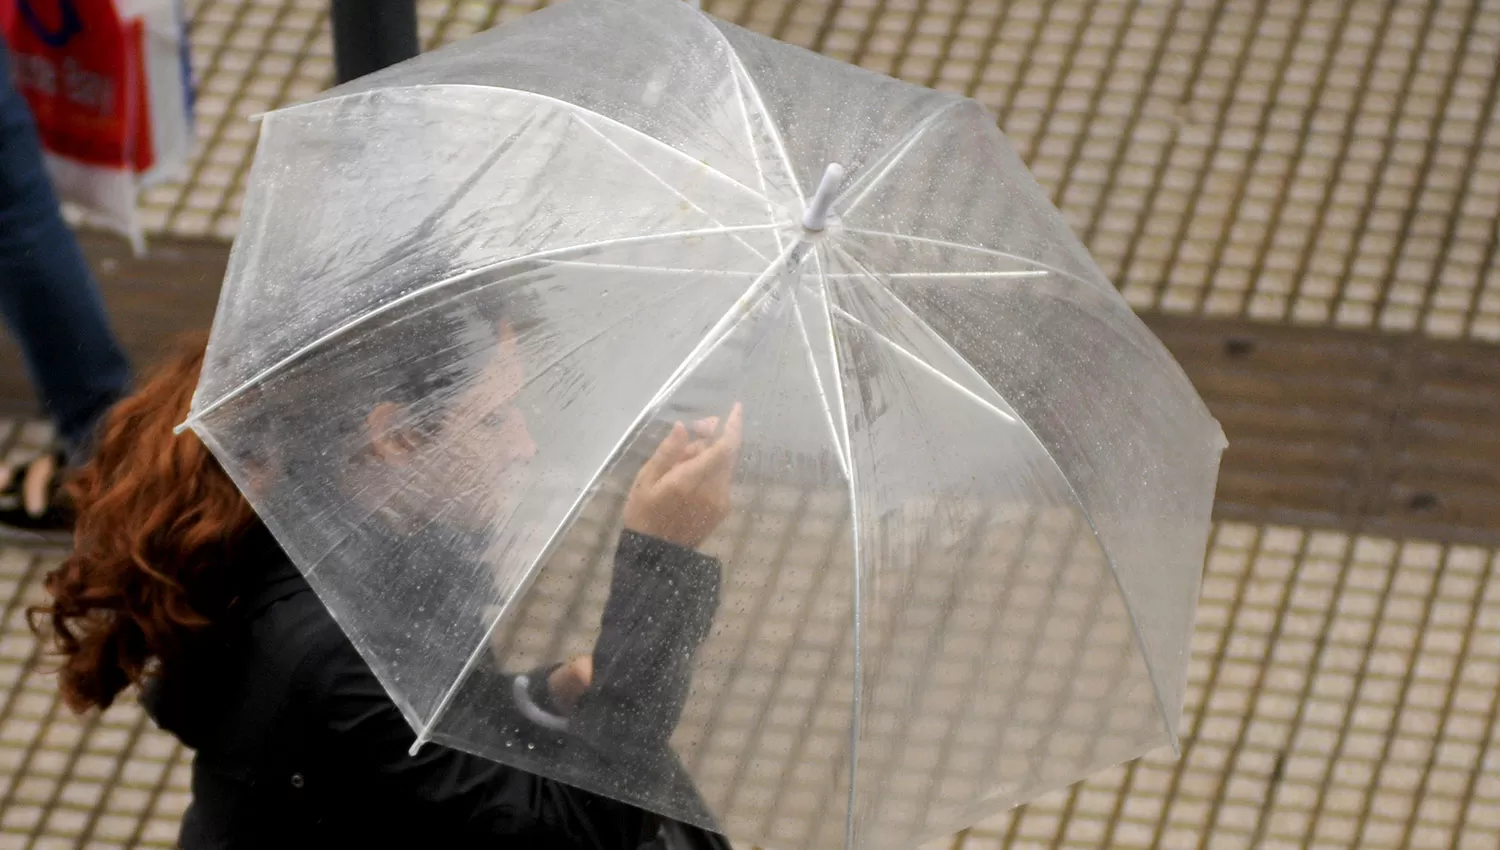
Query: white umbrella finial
[(815, 218)]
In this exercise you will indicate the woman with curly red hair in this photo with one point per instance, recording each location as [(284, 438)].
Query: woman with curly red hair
[(176, 587)]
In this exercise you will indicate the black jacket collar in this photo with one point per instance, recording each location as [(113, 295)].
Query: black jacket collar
[(280, 580), (271, 576)]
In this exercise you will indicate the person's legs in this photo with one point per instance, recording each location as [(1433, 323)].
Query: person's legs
[(48, 297)]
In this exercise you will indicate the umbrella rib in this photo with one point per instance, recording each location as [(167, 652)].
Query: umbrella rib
[(959, 246), (856, 705), (362, 319), (314, 563), (812, 361), (744, 307), (891, 159), (1135, 626), (1109, 293), (923, 365), (430, 222), (765, 114), (760, 171), (707, 21), (537, 375), (843, 417), (565, 105), (673, 189), (945, 275), (653, 269)]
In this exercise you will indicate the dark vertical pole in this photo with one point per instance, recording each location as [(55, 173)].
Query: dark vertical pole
[(371, 34)]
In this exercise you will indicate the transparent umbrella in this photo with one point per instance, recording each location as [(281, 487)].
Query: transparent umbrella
[(472, 293)]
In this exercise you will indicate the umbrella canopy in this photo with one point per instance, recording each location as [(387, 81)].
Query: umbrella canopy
[(472, 292)]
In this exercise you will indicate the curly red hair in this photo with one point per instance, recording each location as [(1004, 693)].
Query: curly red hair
[(159, 524)]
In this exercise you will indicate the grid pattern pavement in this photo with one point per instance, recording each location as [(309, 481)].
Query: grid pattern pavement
[(1003, 663), (1344, 690), (1330, 162)]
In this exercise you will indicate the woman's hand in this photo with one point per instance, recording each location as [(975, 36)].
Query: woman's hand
[(683, 492)]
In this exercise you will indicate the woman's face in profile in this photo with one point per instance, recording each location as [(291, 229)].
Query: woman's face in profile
[(474, 467)]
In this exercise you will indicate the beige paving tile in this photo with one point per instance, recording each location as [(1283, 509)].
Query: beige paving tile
[(1342, 693), (1321, 162)]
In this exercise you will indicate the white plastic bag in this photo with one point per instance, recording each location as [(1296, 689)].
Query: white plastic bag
[(109, 84)]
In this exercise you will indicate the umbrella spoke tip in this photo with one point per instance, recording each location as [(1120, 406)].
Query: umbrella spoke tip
[(420, 742), (815, 217)]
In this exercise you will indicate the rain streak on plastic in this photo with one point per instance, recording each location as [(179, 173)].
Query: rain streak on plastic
[(971, 508)]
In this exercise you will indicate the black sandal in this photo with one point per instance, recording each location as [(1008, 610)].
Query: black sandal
[(53, 524)]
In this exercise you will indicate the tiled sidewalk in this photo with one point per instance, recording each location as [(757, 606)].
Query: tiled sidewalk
[(1329, 162), (1343, 693), (110, 780), (1320, 162)]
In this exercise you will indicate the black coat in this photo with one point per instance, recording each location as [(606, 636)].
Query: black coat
[(298, 745)]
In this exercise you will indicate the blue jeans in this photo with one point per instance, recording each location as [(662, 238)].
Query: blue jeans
[(48, 298)]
